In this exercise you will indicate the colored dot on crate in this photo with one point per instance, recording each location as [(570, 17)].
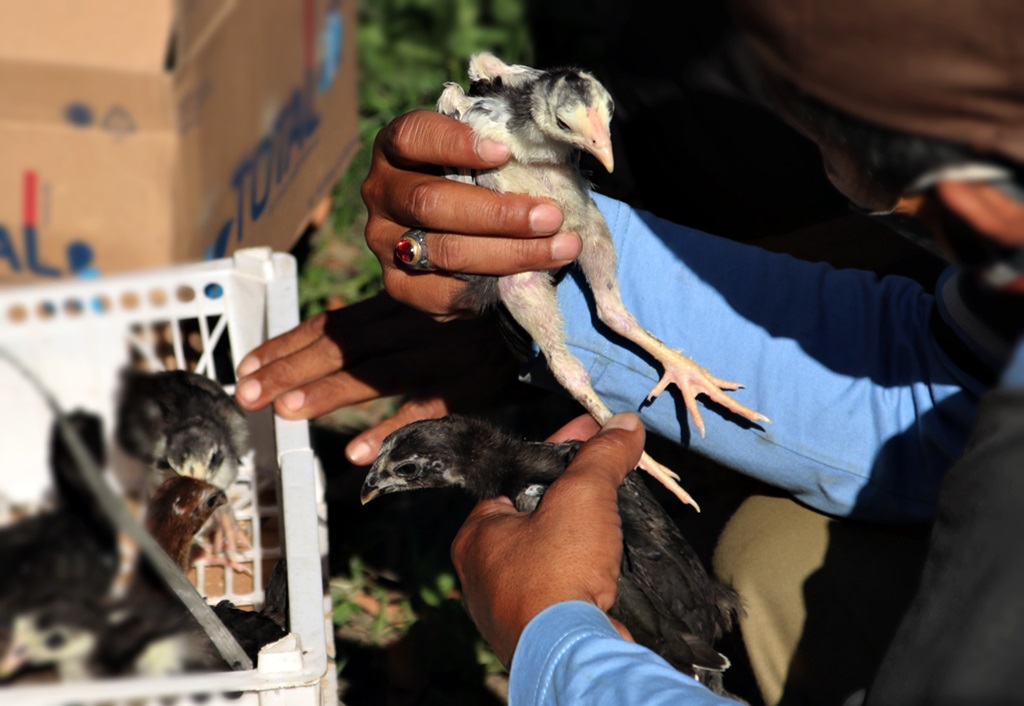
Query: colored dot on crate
[(17, 314), (73, 307), (213, 291), (100, 304)]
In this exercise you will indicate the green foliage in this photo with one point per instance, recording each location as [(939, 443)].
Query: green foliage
[(409, 48), (442, 590)]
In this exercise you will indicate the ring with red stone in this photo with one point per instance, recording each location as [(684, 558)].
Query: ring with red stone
[(411, 250)]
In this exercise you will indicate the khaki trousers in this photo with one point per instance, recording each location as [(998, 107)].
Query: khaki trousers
[(823, 597)]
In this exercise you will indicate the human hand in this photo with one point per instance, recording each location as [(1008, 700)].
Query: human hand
[(372, 349), (470, 229), (513, 565)]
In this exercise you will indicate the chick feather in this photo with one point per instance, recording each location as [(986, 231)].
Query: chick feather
[(665, 597), (547, 118)]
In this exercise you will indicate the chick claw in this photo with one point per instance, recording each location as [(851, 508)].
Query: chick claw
[(692, 380), (667, 478)]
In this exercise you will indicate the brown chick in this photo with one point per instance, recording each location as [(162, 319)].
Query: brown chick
[(177, 511)]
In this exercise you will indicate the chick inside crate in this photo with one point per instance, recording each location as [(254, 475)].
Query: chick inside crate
[(77, 339)]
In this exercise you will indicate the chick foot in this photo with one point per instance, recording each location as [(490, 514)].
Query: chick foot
[(693, 380), (228, 541)]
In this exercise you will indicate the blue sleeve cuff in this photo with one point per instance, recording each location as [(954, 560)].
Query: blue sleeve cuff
[(571, 653), (1013, 376)]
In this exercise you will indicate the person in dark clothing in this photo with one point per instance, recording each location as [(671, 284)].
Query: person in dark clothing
[(963, 635)]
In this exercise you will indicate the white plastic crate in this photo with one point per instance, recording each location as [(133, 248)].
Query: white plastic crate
[(76, 336)]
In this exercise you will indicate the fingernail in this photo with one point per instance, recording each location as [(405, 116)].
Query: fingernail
[(565, 246), (623, 420), (248, 391), (545, 219), (249, 365), (491, 151), (294, 400), (359, 453)]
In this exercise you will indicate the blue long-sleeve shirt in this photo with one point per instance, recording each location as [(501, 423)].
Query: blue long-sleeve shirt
[(571, 654), (869, 411)]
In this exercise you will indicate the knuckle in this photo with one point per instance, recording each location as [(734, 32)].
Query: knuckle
[(377, 239), (396, 285), (369, 191), (451, 252), (529, 252), (421, 202), (506, 210), (390, 137)]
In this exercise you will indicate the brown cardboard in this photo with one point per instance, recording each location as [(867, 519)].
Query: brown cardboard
[(135, 134)]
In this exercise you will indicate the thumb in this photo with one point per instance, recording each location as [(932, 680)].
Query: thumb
[(606, 459)]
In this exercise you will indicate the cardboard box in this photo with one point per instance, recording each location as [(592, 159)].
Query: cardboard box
[(136, 134)]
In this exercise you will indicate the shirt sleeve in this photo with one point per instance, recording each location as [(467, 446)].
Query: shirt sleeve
[(1013, 376), (571, 654), (868, 413)]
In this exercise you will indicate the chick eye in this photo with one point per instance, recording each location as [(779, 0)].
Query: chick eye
[(405, 470), (216, 458), (562, 125), (55, 640)]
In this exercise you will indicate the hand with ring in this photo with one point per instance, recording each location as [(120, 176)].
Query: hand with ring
[(416, 213)]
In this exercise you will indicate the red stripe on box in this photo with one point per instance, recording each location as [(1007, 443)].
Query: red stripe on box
[(30, 182)]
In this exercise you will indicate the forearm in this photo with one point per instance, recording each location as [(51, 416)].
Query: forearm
[(868, 414), (570, 653)]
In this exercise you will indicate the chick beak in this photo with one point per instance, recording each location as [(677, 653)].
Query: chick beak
[(195, 469), (599, 139), (378, 483)]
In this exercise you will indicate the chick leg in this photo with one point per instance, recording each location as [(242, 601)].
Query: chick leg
[(598, 262), (228, 538), (530, 298)]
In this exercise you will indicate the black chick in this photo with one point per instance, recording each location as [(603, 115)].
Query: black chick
[(665, 596), (255, 629), (69, 549), (184, 422), (546, 118), (59, 566)]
